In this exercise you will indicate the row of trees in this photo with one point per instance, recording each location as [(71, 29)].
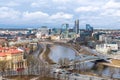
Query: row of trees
[(3, 66), (64, 62), (34, 67)]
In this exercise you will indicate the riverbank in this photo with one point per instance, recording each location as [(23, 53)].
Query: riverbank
[(114, 63), (46, 55), (47, 49), (76, 48)]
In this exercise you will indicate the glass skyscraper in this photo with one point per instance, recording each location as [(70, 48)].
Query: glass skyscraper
[(76, 27), (89, 28)]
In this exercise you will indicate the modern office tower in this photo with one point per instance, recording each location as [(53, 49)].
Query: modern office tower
[(65, 26), (65, 30), (29, 31), (89, 28), (76, 27), (50, 31), (56, 31)]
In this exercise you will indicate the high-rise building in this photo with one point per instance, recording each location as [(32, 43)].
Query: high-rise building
[(29, 31), (89, 28), (76, 27), (65, 26), (42, 32), (65, 30)]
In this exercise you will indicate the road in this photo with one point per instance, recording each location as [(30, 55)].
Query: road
[(64, 75)]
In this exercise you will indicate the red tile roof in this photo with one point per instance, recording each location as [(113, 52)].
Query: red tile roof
[(14, 51), (2, 54), (4, 51)]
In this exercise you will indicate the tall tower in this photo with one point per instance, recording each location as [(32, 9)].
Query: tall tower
[(89, 28), (65, 27), (65, 30), (76, 28)]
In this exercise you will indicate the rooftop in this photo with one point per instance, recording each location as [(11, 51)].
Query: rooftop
[(5, 50)]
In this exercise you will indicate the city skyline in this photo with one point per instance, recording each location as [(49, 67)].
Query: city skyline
[(103, 14)]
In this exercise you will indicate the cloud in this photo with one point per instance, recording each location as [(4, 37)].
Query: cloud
[(61, 8), (108, 12), (10, 4), (8, 13), (111, 12), (33, 18), (59, 11), (86, 8), (117, 13), (61, 1), (61, 15), (112, 4), (111, 8), (39, 4), (39, 15), (34, 4), (116, 0)]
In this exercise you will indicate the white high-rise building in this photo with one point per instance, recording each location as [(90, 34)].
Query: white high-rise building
[(42, 32)]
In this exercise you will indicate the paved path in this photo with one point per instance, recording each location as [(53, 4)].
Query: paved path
[(34, 78)]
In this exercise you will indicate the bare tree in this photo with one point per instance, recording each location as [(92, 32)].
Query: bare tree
[(30, 63), (112, 72), (3, 66), (66, 62), (100, 69), (60, 62)]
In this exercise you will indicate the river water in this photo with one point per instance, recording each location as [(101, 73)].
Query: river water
[(58, 52)]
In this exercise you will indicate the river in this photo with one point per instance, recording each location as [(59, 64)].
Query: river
[(58, 52)]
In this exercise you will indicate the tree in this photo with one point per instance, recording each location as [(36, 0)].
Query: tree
[(100, 69), (60, 62), (33, 64), (66, 62), (112, 72), (3, 66), (30, 63), (31, 49)]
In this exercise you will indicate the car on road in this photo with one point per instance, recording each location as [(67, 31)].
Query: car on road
[(75, 74)]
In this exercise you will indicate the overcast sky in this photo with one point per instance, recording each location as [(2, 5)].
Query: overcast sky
[(53, 13)]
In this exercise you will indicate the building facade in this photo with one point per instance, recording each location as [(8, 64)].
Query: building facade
[(106, 48), (14, 58), (76, 27)]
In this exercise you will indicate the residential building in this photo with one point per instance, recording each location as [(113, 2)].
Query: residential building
[(107, 48), (14, 57)]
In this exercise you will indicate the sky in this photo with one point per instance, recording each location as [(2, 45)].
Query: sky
[(53, 13)]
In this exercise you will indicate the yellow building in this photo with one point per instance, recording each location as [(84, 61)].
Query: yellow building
[(55, 37), (14, 57)]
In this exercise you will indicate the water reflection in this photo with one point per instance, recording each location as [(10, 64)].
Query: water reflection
[(58, 52), (111, 72)]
